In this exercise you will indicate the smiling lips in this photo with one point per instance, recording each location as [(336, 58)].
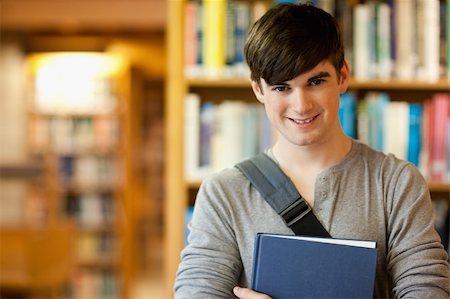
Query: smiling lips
[(303, 121)]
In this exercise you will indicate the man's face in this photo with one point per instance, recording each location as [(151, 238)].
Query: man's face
[(304, 110)]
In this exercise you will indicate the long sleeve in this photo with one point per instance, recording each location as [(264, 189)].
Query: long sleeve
[(211, 264), (416, 259)]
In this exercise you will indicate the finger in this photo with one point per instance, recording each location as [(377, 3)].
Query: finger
[(244, 293)]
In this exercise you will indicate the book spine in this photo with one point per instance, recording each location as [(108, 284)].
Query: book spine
[(191, 135), (214, 12), (404, 34), (361, 42), (191, 41), (414, 138), (441, 107)]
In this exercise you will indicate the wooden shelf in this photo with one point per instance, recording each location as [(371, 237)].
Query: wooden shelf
[(179, 189), (396, 84), (72, 15), (391, 84)]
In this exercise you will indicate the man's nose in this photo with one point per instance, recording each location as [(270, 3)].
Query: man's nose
[(301, 100)]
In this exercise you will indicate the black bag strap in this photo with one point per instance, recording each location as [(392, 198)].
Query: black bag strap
[(279, 191)]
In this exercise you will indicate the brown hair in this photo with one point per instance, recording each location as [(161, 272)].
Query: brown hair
[(290, 39)]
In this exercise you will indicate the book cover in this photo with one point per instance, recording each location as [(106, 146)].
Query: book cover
[(308, 267)]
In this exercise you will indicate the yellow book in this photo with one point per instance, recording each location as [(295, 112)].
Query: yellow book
[(214, 36)]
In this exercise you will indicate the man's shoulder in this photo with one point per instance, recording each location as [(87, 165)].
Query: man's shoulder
[(385, 162), (225, 177)]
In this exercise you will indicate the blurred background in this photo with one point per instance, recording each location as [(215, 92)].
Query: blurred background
[(81, 157), (112, 112)]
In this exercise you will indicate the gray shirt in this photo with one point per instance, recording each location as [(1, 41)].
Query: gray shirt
[(368, 195)]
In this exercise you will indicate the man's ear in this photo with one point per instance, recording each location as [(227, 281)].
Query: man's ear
[(257, 91), (344, 77)]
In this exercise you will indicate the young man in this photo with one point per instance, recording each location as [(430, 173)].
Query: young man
[(298, 70)]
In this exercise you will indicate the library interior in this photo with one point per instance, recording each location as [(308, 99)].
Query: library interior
[(112, 113)]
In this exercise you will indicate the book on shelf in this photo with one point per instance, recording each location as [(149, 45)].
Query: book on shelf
[(383, 40), (397, 129), (446, 34), (439, 143), (95, 284), (361, 42), (192, 134), (428, 39), (91, 210), (376, 108), (214, 36), (347, 113), (286, 266), (191, 40), (415, 138), (405, 42), (243, 20), (218, 136)]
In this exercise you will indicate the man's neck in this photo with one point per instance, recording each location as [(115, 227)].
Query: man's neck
[(315, 158), (304, 163)]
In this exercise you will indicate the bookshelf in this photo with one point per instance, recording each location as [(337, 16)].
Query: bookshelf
[(181, 190), (77, 123)]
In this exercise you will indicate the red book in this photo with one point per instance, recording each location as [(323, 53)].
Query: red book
[(440, 115)]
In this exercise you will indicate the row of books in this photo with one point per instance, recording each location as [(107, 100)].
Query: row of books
[(89, 171), (220, 135), (416, 132), (397, 38), (96, 248), (215, 33), (91, 210), (23, 203), (74, 134), (403, 39), (94, 284)]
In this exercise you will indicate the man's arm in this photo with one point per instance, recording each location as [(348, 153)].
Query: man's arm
[(416, 259), (211, 265)]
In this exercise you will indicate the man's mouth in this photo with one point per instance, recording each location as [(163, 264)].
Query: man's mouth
[(303, 121)]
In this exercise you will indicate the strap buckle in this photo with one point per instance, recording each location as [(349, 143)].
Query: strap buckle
[(296, 211)]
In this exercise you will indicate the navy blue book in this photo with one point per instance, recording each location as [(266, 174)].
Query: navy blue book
[(309, 267)]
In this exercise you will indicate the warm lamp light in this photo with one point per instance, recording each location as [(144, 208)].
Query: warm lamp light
[(74, 81)]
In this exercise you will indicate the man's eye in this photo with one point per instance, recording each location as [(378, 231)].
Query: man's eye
[(316, 82), (279, 88)]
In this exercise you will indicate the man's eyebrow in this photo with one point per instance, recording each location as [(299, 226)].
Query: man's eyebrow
[(320, 75)]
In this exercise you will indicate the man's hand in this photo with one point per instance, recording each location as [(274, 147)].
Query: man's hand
[(244, 293)]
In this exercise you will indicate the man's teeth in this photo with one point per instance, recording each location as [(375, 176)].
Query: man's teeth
[(303, 122)]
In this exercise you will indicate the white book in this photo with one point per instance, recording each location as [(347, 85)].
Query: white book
[(405, 19), (191, 135), (397, 132), (91, 211), (428, 39), (384, 63), (227, 145), (361, 42)]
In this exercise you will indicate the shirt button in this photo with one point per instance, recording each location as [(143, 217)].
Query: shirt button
[(324, 194)]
